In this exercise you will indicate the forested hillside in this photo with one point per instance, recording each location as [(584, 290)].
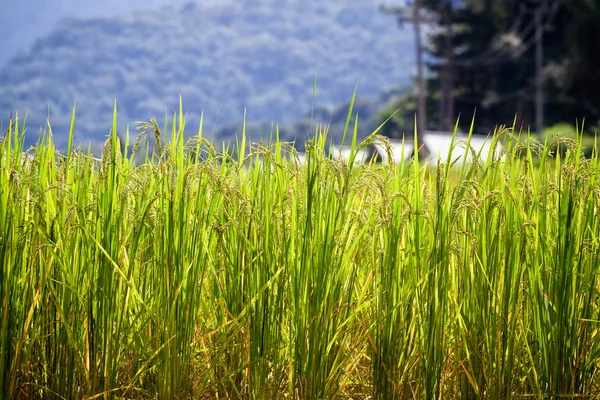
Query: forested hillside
[(220, 57), (24, 21), (538, 60)]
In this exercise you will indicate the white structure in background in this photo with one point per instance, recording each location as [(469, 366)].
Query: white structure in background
[(401, 151), (376, 152), (343, 152), (301, 158), (437, 145)]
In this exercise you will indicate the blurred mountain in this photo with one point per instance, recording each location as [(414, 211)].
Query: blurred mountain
[(24, 21), (371, 112), (221, 57)]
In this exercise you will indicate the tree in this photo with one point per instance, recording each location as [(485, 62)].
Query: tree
[(578, 73), (483, 61)]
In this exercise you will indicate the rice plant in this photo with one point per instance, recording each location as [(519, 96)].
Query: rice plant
[(169, 268)]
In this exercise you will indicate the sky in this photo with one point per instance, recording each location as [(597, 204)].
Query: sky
[(24, 21)]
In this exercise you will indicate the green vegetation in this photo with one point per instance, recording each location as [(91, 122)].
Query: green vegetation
[(245, 274), (484, 54)]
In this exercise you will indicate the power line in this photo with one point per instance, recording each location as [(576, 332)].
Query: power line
[(447, 67), (534, 39), (537, 39), (498, 56), (539, 64), (498, 47), (417, 18)]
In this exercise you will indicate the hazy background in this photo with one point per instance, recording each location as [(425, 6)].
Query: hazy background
[(224, 56), (24, 21), (220, 56)]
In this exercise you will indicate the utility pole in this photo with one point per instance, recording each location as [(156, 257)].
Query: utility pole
[(421, 84), (450, 116), (539, 64), (538, 13), (414, 17), (447, 117)]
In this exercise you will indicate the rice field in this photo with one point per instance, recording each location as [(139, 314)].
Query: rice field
[(241, 273)]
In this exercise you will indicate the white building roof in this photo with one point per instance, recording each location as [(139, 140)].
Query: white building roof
[(401, 151), (439, 145), (343, 152)]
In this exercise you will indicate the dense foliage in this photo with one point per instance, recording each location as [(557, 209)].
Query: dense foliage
[(193, 275), (489, 49), (222, 57)]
